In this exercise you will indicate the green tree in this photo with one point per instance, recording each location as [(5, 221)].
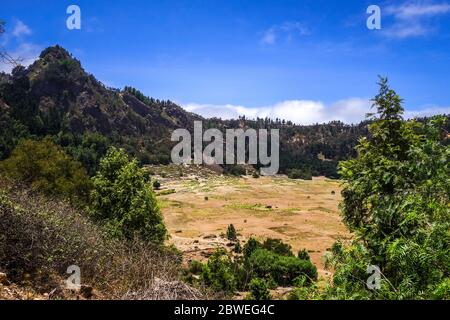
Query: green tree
[(277, 246), (231, 233), (124, 201), (219, 273), (396, 196), (251, 245), (47, 168), (11, 132)]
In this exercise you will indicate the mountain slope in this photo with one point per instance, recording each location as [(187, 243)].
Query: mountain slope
[(56, 96)]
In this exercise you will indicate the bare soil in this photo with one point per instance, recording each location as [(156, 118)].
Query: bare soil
[(304, 214)]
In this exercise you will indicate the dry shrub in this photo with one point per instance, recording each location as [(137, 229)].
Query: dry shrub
[(41, 237)]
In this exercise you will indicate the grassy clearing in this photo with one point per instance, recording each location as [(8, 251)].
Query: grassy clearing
[(301, 213)]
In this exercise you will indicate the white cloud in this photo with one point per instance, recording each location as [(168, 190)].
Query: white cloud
[(426, 112), (411, 10), (413, 18), (298, 111), (352, 110), (405, 30), (21, 29), (286, 30)]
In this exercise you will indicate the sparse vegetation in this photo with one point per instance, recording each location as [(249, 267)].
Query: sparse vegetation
[(42, 237)]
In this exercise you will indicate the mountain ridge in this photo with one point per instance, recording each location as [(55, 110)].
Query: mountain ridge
[(55, 96)]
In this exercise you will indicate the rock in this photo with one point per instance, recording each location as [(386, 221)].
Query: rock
[(196, 241), (268, 207), (211, 236), (4, 279)]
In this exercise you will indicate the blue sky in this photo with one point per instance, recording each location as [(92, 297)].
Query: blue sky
[(308, 61)]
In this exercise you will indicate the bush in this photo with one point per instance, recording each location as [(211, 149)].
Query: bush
[(283, 270), (219, 273), (45, 167), (231, 233), (300, 174), (237, 247), (303, 255), (195, 267), (124, 202), (259, 290), (255, 175), (278, 247), (156, 185), (251, 245)]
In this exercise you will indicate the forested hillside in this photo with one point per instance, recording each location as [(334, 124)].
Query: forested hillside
[(56, 97)]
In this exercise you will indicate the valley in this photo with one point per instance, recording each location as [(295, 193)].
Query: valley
[(198, 209)]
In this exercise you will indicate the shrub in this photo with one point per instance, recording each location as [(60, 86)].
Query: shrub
[(255, 175), (237, 247), (278, 247), (283, 270), (231, 233), (195, 267), (251, 245), (303, 255), (124, 202), (156, 185), (300, 174), (45, 167), (259, 290), (219, 273)]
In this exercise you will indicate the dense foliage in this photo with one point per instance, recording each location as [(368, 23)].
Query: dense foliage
[(261, 266), (396, 201), (45, 167), (259, 290), (123, 199)]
